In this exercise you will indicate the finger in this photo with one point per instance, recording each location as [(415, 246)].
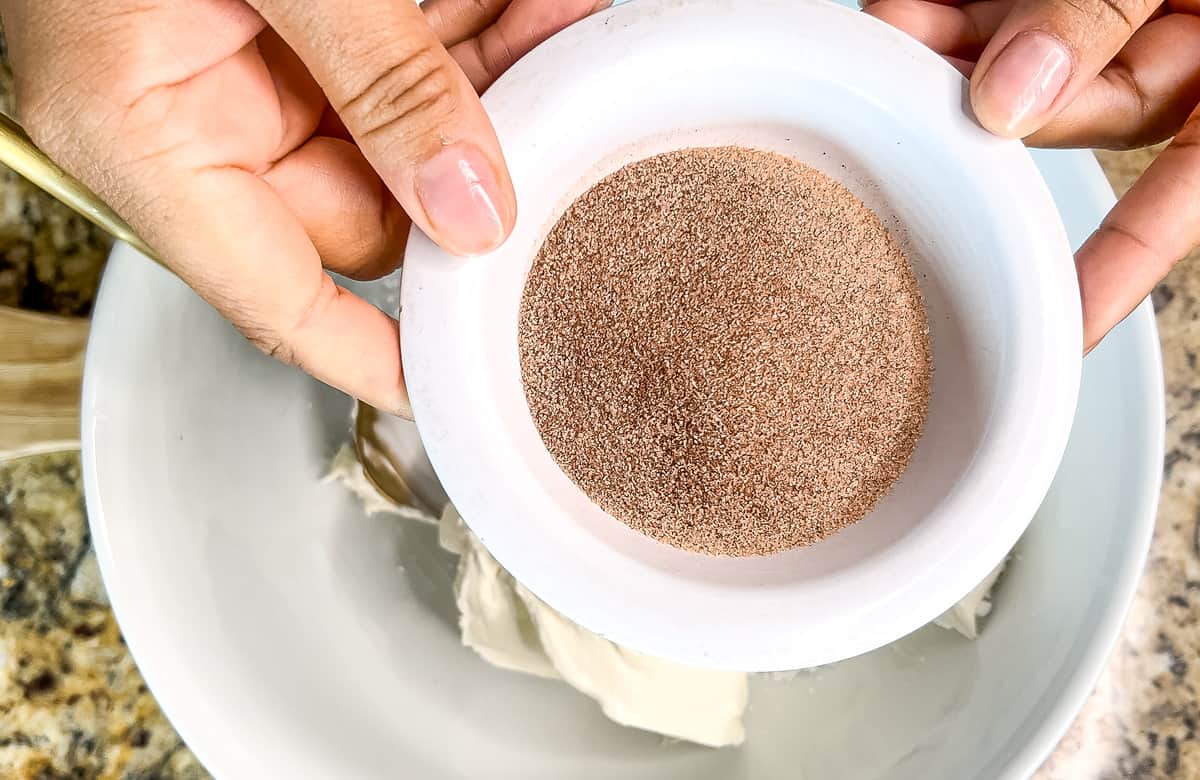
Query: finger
[(961, 33), (301, 102), (356, 225), (1146, 233), (523, 25), (1142, 97), (454, 21), (253, 262), (1044, 54), (411, 110)]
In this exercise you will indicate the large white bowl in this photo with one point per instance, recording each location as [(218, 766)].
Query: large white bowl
[(868, 105), (286, 635)]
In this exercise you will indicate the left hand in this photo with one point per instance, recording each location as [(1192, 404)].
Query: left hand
[(1088, 73), (258, 144)]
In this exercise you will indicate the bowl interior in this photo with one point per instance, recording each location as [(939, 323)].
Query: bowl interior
[(971, 211)]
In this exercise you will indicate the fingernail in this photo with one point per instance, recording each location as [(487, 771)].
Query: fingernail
[(600, 6), (1022, 83), (462, 200)]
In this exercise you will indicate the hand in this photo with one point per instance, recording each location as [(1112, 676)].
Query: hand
[(1089, 73), (256, 143)]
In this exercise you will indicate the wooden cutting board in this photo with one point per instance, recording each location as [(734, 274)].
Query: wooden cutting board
[(41, 372)]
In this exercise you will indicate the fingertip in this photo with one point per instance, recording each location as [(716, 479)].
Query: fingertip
[(469, 205), (388, 394), (393, 401), (1012, 96)]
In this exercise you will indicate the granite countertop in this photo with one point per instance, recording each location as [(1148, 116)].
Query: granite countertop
[(50, 257), (73, 705), (1141, 721)]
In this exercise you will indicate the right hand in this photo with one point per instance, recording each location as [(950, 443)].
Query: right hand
[(1089, 73), (256, 143)]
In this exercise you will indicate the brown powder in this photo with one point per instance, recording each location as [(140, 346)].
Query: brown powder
[(726, 351)]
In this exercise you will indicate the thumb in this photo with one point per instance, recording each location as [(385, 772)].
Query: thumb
[(1044, 54), (411, 110)]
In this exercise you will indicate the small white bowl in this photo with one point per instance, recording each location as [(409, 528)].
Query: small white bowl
[(875, 110)]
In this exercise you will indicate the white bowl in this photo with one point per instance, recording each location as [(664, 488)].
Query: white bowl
[(287, 635), (872, 108)]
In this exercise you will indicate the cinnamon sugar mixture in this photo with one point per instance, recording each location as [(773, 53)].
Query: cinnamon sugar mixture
[(726, 350)]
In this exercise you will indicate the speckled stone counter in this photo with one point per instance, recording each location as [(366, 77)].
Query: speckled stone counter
[(50, 257), (1142, 721), (72, 704)]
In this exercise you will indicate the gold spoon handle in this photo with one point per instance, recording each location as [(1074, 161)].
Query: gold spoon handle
[(18, 152)]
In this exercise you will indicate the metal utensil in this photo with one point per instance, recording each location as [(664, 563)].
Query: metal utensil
[(18, 152)]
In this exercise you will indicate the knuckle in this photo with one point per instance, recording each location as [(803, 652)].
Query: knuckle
[(410, 98), (282, 343), (367, 255), (1113, 230), (271, 344), (495, 53), (1144, 121), (371, 261), (1123, 11), (313, 311), (1128, 14), (1127, 77)]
